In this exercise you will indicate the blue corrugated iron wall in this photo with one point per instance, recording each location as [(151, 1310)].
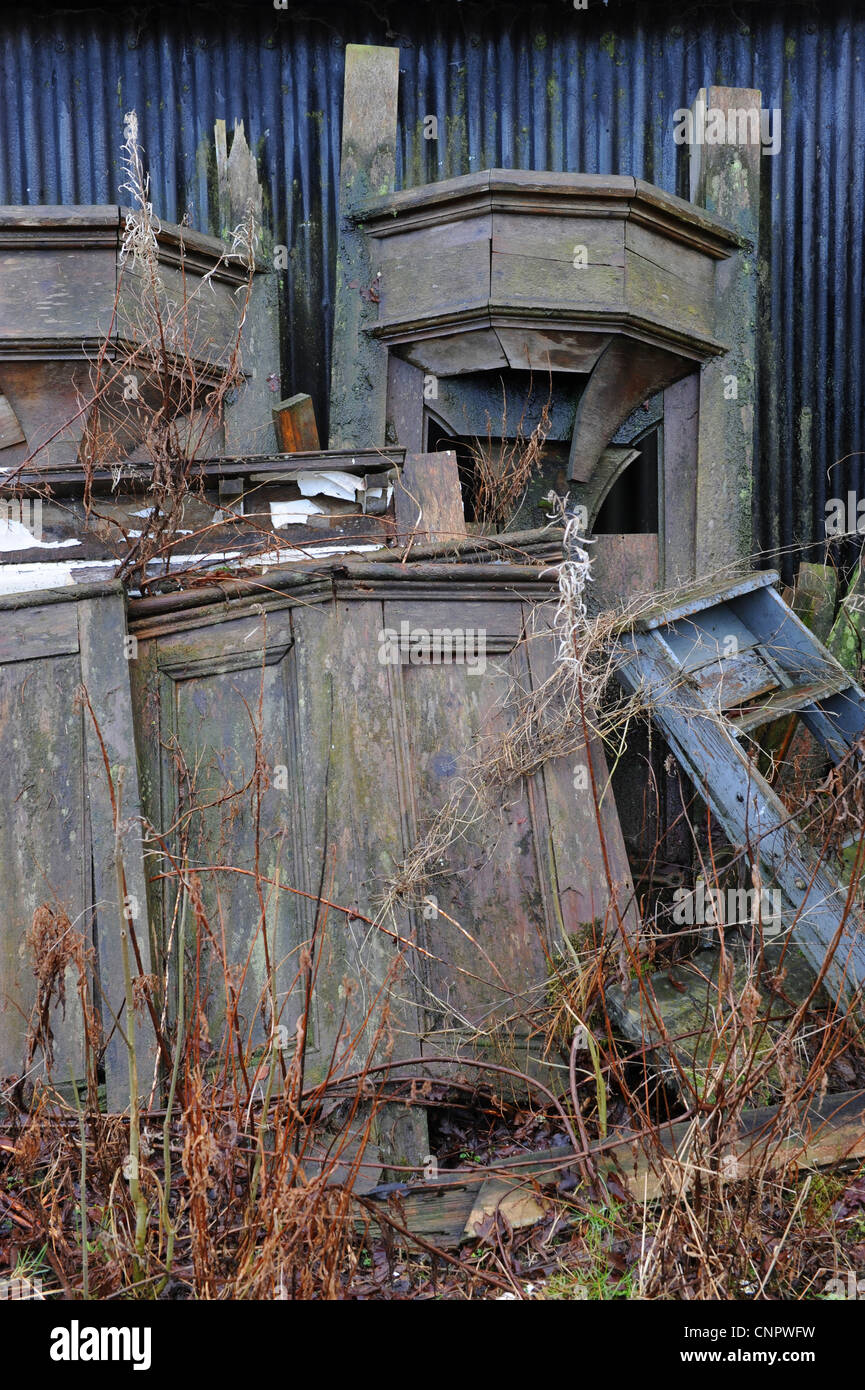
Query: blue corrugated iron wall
[(540, 87)]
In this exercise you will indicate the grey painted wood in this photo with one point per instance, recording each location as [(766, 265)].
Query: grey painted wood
[(56, 822), (367, 168)]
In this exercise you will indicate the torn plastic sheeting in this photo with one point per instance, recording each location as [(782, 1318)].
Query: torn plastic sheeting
[(15, 536), (294, 513), (21, 579), (330, 483)]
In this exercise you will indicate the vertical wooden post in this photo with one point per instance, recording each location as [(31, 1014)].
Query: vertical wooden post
[(679, 511), (405, 408), (725, 179), (429, 500), (358, 383)]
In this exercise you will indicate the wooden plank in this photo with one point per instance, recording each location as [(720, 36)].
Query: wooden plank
[(37, 632), (665, 277), (706, 594), (69, 481), (578, 876), (105, 676), (296, 429), (733, 680), (540, 237), (787, 701), (10, 429), (518, 279), (237, 178), (367, 168), (57, 296), (405, 407), (429, 499), (709, 635), (419, 281), (210, 682), (59, 818), (536, 346), (490, 932), (725, 179), (679, 483), (452, 1208), (365, 824), (814, 599)]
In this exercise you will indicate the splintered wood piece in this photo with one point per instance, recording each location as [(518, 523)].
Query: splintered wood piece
[(429, 499), (520, 1206), (296, 429), (10, 428), (358, 382), (453, 1208)]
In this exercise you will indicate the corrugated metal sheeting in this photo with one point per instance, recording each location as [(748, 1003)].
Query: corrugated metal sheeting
[(546, 87)]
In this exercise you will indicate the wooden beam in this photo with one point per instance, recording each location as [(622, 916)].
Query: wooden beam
[(725, 179), (10, 428), (367, 169)]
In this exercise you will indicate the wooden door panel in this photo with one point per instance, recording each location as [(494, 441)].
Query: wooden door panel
[(225, 708), (488, 879)]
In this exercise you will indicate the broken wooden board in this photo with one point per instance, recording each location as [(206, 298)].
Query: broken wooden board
[(685, 1026), (451, 1209), (358, 383), (660, 658), (429, 500), (57, 831)]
